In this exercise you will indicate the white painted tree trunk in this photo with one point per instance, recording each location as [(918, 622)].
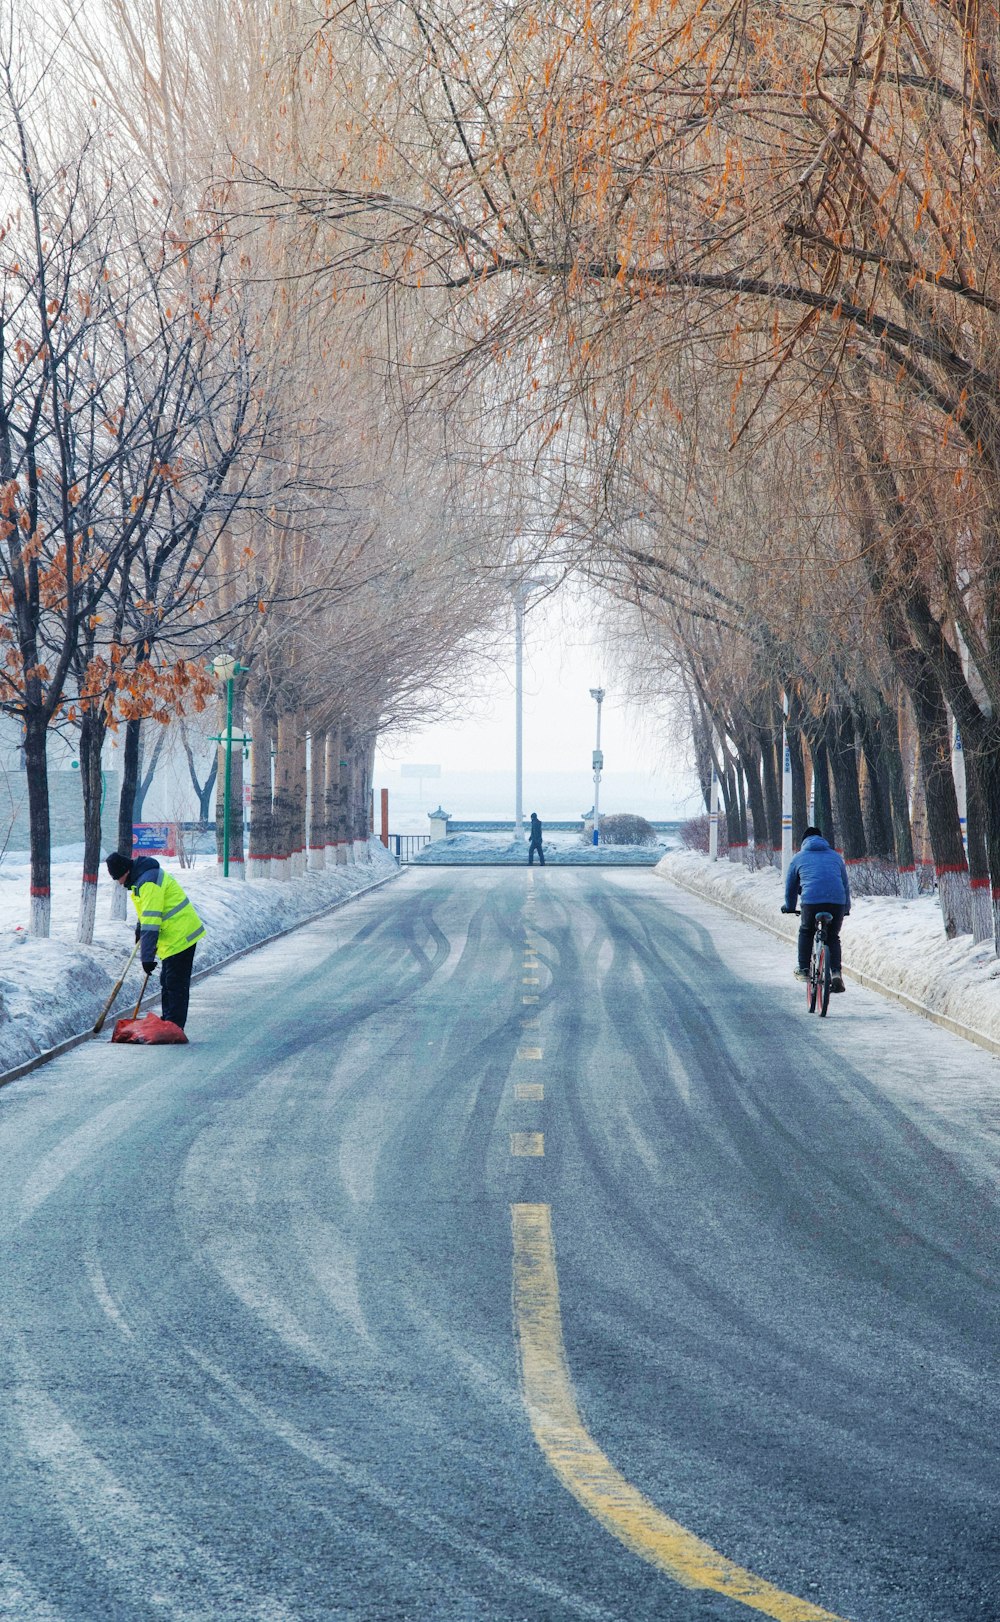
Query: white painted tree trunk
[(88, 911), (982, 911), (40, 916), (955, 896)]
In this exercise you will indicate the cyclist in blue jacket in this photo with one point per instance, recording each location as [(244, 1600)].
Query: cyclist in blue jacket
[(817, 878)]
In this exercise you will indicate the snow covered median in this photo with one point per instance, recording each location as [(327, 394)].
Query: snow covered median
[(561, 848), (52, 990), (894, 945)]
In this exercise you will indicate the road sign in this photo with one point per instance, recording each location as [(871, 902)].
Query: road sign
[(154, 837)]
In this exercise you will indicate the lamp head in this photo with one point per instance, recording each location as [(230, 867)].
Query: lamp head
[(598, 693), (225, 667)]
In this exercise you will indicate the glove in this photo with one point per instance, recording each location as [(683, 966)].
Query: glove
[(147, 968), (138, 933), (786, 909)]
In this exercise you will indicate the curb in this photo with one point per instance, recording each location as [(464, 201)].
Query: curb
[(71, 1042), (969, 1032)]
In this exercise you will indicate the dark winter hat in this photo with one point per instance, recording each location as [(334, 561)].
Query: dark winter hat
[(118, 865), (810, 833)]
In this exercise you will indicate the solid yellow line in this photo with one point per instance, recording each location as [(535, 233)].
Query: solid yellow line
[(579, 1463)]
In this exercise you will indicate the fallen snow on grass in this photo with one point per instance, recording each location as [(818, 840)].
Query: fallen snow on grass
[(51, 990), (900, 944)]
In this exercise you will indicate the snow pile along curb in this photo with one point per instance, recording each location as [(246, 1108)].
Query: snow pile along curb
[(51, 991), (894, 946)]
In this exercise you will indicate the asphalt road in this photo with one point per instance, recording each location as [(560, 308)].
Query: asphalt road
[(493, 1241)]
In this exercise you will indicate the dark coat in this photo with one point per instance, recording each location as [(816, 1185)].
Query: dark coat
[(534, 831)]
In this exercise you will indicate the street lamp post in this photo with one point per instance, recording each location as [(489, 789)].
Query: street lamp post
[(598, 694), (226, 668), (522, 590)]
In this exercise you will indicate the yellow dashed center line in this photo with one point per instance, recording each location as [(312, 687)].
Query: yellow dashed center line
[(530, 980), (530, 998), (579, 1463), (527, 1143), (531, 1092), (529, 1053)]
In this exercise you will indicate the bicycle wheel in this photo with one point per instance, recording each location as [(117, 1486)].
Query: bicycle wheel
[(812, 984), (824, 980)]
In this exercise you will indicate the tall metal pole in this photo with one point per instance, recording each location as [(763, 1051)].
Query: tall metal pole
[(229, 763), (598, 694), (713, 812)]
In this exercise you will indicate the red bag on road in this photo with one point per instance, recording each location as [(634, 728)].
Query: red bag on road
[(149, 1029)]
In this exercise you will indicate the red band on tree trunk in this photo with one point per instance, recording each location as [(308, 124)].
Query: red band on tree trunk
[(952, 867), (979, 884), (90, 878), (40, 890)]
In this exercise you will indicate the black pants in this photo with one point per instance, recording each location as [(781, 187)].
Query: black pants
[(532, 848), (175, 985), (807, 929)]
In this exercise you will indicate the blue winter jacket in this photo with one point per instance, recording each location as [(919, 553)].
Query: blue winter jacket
[(817, 874)]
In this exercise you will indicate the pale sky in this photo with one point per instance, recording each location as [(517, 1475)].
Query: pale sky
[(562, 662)]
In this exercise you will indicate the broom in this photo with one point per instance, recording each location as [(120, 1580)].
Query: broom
[(102, 1016)]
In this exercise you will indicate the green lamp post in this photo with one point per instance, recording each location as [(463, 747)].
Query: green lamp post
[(226, 668)]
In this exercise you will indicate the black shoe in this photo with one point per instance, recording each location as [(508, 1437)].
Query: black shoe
[(801, 974), (837, 983)]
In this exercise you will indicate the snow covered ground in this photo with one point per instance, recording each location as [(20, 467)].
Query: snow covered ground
[(897, 946), (561, 846), (51, 990)]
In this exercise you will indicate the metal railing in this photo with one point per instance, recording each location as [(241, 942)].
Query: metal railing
[(405, 846)]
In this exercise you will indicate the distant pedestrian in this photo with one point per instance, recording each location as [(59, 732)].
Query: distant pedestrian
[(535, 840), (168, 928)]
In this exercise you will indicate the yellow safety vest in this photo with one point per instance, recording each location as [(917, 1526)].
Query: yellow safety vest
[(169, 922)]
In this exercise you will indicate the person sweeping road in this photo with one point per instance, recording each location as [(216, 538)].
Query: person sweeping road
[(168, 929)]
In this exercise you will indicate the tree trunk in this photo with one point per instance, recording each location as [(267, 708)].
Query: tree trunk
[(822, 812), (126, 804), (261, 817), (748, 752), (771, 764), (740, 851), (317, 800), (300, 797), (344, 796), (36, 767), (91, 744), (876, 808), (284, 802), (800, 802), (331, 795), (203, 791), (844, 765), (979, 872), (940, 800), (887, 732)]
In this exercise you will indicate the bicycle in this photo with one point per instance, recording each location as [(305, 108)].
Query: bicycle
[(820, 977)]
